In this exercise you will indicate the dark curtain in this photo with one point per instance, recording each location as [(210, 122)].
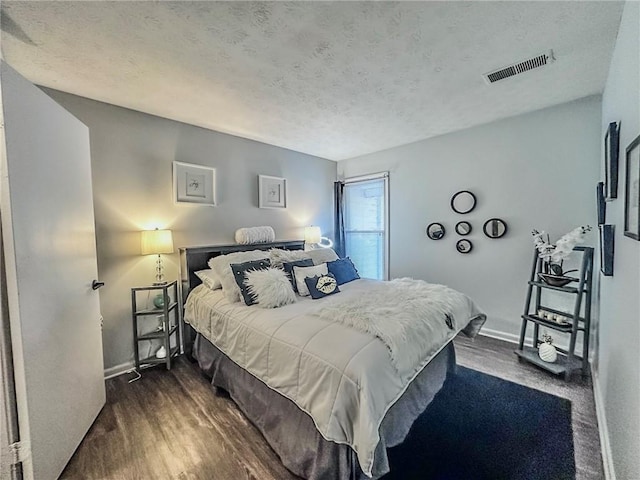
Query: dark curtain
[(338, 228)]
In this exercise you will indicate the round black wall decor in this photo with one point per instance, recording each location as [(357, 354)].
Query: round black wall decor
[(495, 228), (436, 231), (463, 228), (464, 246), (463, 202)]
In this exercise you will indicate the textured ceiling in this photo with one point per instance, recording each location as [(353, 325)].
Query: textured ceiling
[(333, 79)]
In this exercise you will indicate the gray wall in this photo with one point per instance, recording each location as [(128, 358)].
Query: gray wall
[(618, 366), (537, 170), (132, 155)]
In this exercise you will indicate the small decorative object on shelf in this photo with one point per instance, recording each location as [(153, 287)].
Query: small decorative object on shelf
[(547, 351), (553, 255)]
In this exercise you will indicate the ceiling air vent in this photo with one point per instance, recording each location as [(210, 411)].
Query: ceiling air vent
[(520, 67)]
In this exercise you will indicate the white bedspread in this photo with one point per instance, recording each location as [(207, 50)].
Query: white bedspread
[(343, 378)]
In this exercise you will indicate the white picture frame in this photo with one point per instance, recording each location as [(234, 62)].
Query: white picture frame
[(194, 184), (272, 191)]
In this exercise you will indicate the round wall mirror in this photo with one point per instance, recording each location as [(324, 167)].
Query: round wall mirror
[(494, 228), (435, 231), (463, 202), (463, 228), (464, 246)]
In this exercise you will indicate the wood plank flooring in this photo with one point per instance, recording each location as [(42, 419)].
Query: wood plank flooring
[(171, 425)]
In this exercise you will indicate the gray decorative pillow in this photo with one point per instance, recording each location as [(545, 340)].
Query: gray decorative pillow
[(221, 266), (270, 287), (322, 255), (278, 256), (209, 279)]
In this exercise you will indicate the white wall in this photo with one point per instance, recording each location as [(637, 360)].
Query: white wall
[(131, 158), (537, 170), (618, 366)]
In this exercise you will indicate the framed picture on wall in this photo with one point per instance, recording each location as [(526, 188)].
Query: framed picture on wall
[(194, 184), (272, 192), (606, 249), (632, 191), (611, 150), (602, 206)]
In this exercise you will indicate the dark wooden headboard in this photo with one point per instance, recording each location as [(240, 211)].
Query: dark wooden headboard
[(193, 259)]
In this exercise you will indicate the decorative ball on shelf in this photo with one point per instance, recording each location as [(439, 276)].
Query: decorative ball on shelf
[(158, 301), (547, 351)]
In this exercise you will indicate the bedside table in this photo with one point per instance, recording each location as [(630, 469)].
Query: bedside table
[(160, 304)]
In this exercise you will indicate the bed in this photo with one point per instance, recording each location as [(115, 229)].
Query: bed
[(329, 397)]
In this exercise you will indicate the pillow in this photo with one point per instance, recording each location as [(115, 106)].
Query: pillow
[(270, 288), (322, 255), (209, 279), (240, 269), (278, 256), (344, 270), (322, 286), (300, 273), (288, 268), (221, 266)]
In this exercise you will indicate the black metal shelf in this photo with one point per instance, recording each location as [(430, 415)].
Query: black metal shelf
[(551, 287), (156, 311), (560, 327), (157, 334), (152, 360), (163, 337), (567, 360), (561, 366)]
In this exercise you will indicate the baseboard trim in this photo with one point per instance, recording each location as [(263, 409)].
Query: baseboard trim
[(506, 337), (603, 430), (117, 370)]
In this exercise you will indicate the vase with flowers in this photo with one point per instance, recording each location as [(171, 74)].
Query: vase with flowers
[(553, 255)]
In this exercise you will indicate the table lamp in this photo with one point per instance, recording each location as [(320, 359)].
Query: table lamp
[(157, 242)]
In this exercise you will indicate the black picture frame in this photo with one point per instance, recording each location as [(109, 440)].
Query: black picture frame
[(632, 191), (611, 153), (607, 239), (602, 205), (461, 196)]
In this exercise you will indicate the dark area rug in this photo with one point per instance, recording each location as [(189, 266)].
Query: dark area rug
[(480, 427)]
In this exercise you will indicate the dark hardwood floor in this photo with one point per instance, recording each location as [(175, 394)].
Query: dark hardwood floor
[(171, 425)]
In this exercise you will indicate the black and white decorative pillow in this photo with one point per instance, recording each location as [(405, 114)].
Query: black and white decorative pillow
[(322, 285), (239, 270)]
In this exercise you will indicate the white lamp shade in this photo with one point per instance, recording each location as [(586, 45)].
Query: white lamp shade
[(156, 242), (312, 234)]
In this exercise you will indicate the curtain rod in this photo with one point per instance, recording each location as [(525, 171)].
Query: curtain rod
[(363, 178)]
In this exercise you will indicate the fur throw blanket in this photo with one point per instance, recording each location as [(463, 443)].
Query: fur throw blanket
[(411, 317)]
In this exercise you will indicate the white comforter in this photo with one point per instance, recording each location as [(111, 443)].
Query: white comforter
[(342, 377)]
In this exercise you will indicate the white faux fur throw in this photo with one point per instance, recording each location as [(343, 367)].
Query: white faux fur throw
[(249, 235), (411, 317)]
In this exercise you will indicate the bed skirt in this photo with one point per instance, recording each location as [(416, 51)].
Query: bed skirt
[(292, 433)]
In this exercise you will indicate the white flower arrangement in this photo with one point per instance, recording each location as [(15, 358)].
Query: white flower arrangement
[(563, 247)]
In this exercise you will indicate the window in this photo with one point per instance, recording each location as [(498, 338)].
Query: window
[(365, 225)]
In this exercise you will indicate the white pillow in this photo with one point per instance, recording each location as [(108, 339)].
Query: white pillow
[(322, 255), (221, 266), (278, 256), (300, 273), (270, 287), (209, 279)]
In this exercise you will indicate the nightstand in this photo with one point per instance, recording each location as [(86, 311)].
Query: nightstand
[(155, 316)]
